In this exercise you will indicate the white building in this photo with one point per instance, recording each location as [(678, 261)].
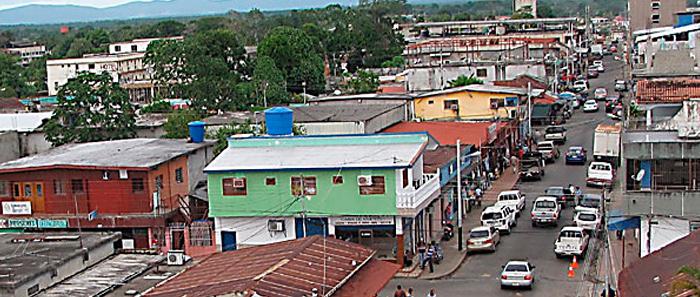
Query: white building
[(27, 53), (135, 46)]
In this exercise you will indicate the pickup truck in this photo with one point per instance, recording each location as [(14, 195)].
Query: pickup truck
[(600, 174), (532, 166), (513, 199), (545, 210), (557, 134), (572, 241), (549, 151)]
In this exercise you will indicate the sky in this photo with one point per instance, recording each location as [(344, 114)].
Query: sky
[(4, 4)]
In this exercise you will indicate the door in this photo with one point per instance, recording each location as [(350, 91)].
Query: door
[(228, 241), (646, 179), (314, 226)]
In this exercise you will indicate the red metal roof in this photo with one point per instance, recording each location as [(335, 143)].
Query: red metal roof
[(447, 133), (521, 82), (544, 99), (284, 269), (370, 280), (637, 279), (667, 91)]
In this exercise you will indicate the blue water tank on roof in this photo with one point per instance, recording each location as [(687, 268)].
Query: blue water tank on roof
[(196, 131), (279, 121)]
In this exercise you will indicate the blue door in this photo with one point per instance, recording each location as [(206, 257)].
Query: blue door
[(228, 241), (314, 226), (646, 179)]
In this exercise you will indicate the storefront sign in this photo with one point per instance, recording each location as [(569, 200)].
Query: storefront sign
[(16, 208), (46, 223), (364, 220), (492, 132), (21, 223)]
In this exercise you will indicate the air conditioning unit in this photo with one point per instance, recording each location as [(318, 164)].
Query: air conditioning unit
[(364, 180), (275, 226), (176, 258), (512, 114), (454, 107), (238, 183)]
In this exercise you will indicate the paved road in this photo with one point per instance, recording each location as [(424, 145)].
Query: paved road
[(478, 276)]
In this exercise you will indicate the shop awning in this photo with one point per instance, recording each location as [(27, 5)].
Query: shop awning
[(618, 221)]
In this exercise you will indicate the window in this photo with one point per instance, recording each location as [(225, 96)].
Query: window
[(178, 176), (77, 186), (431, 102), (511, 101), (376, 188), (4, 188), (451, 104), (16, 190), (337, 179), (117, 48), (481, 72), (134, 48), (137, 185), (27, 190), (655, 18), (270, 181), (404, 177), (655, 4), (39, 189), (308, 184), (497, 103), (234, 186), (91, 66), (58, 188)]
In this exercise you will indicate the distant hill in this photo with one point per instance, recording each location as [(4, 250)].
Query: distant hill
[(51, 14)]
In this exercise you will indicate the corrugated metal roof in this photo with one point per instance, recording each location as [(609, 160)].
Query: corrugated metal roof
[(447, 133), (284, 269), (340, 113), (667, 91)]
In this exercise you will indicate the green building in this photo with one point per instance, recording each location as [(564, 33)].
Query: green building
[(369, 189)]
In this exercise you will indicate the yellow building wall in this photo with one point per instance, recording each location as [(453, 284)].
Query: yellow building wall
[(472, 106)]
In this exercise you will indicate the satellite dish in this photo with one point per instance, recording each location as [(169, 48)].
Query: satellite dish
[(639, 175)]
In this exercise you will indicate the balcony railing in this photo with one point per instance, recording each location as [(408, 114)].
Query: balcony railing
[(423, 189)]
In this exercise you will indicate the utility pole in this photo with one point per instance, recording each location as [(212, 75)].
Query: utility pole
[(529, 109), (77, 219), (459, 196), (442, 71)]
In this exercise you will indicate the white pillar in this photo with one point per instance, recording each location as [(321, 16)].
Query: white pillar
[(398, 224)]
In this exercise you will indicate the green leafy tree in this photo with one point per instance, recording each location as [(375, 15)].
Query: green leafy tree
[(12, 84), (91, 107), (395, 62), (296, 55), (159, 106), (464, 80), (691, 283), (227, 131), (364, 82), (269, 80), (176, 126), (79, 47)]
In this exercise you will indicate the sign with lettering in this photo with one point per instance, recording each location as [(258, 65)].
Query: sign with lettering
[(47, 223), (364, 220), (21, 223), (16, 208)]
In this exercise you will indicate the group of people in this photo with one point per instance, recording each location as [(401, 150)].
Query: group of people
[(427, 255), (400, 292)]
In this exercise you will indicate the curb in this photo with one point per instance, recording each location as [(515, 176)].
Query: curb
[(448, 273)]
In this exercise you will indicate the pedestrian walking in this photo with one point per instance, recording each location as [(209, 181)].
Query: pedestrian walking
[(399, 292), (430, 254), (431, 293), (421, 254), (410, 292), (514, 163)]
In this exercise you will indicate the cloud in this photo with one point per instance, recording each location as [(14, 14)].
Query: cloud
[(4, 4)]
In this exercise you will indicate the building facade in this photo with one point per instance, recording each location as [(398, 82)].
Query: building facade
[(27, 52), (368, 189), (473, 102), (649, 14)]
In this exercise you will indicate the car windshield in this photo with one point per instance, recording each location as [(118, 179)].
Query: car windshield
[(528, 163), (587, 217), (554, 130), (590, 102), (600, 91), (507, 197), (601, 167), (554, 191), (491, 216), (516, 268), (544, 146), (590, 202), (479, 234), (575, 150), (545, 204), (570, 234)]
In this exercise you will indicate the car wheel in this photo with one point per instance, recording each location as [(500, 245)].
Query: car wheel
[(515, 223), (534, 224), (503, 287), (557, 255)]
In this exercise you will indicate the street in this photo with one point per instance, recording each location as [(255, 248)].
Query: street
[(479, 274)]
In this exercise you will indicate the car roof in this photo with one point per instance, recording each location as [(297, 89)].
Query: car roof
[(546, 142), (482, 228), (592, 196), (590, 101), (493, 209), (578, 147), (571, 228), (511, 192), (600, 163), (517, 262), (546, 198), (600, 89), (587, 211)]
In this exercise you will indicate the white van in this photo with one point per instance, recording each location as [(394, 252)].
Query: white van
[(500, 217)]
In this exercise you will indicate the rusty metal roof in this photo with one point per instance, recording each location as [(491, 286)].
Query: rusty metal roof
[(667, 90), (284, 269)]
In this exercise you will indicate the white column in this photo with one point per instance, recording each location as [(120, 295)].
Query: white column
[(331, 227), (398, 224)]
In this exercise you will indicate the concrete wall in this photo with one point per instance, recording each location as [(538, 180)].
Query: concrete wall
[(664, 231), (9, 146), (150, 132), (671, 150), (435, 78), (662, 203), (33, 143), (196, 163), (385, 120), (640, 12), (253, 231)]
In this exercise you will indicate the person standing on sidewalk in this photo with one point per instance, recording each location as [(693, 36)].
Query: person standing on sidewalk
[(410, 292), (429, 257), (514, 163), (421, 254), (432, 293), (399, 292)]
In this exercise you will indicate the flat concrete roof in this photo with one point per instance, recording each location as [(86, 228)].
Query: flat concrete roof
[(498, 22), (23, 258)]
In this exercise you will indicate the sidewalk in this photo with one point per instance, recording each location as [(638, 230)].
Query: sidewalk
[(631, 243), (453, 257)]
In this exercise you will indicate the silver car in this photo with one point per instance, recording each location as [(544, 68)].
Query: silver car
[(483, 239), (518, 274)]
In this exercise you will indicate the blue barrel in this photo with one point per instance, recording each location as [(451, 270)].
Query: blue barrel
[(279, 121), (196, 131)]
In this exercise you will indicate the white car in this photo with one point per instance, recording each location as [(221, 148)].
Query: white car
[(572, 241), (589, 203), (518, 274), (483, 239), (513, 199), (597, 63), (581, 86), (589, 221), (600, 174), (545, 210), (600, 68), (600, 94), (500, 217), (590, 106)]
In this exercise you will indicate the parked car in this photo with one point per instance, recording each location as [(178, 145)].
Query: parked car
[(549, 151), (592, 73), (600, 174), (601, 68), (576, 155), (620, 85), (532, 166), (600, 94), (611, 104), (513, 199), (616, 113), (518, 273), (500, 217), (598, 65), (572, 241), (589, 221), (590, 106), (580, 86), (545, 210), (484, 238), (557, 134), (564, 195), (589, 203)]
